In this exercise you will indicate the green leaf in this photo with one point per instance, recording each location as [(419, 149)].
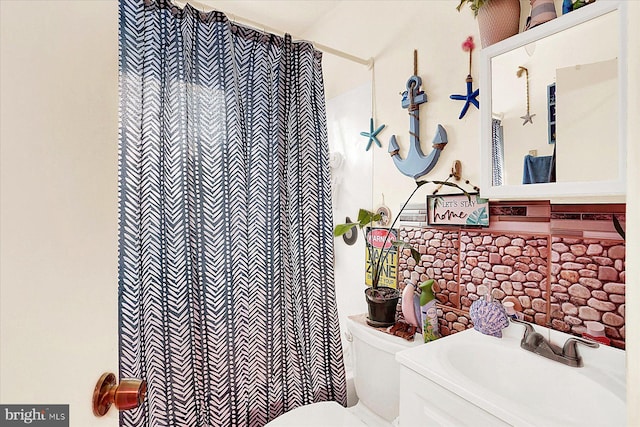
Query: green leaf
[(341, 229), (416, 255), (366, 217), (618, 227), (435, 201), (478, 217), (401, 244), (473, 4)]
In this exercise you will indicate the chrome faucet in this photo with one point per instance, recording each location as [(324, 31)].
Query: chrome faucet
[(536, 343)]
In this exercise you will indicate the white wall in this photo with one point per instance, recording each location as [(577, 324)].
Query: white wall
[(577, 107), (346, 114), (58, 226), (437, 31)]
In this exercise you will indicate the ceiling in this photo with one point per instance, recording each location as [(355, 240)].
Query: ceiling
[(294, 17), (362, 28), (358, 27)]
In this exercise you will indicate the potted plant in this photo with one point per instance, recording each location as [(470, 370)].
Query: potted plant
[(382, 300), (475, 5), (497, 19)]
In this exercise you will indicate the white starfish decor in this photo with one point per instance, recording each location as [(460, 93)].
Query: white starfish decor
[(528, 118)]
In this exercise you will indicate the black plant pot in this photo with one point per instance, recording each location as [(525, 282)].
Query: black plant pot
[(382, 302)]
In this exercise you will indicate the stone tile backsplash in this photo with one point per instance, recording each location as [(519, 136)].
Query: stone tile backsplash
[(556, 281), (588, 284), (439, 253), (514, 267)]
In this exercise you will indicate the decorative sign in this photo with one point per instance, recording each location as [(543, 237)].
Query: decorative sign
[(457, 209), (375, 239)]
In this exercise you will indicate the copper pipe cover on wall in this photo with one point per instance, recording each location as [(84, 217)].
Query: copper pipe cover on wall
[(128, 395)]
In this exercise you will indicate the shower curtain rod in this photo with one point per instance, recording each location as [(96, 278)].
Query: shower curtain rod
[(235, 18)]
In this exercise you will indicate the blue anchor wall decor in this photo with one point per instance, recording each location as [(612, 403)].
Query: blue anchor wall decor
[(416, 164)]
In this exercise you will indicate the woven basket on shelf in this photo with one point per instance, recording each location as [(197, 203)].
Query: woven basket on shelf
[(498, 20)]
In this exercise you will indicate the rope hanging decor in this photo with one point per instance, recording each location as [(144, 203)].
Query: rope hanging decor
[(456, 173), (528, 118), (373, 131)]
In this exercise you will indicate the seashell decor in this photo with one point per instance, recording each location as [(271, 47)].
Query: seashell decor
[(488, 317)]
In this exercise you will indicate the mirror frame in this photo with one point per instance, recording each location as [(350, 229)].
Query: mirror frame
[(615, 187)]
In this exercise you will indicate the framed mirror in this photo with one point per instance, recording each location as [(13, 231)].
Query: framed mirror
[(550, 113)]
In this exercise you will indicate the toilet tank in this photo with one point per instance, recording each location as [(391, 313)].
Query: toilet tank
[(376, 372)]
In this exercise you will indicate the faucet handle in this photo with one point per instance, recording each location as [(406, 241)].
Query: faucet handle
[(570, 350), (530, 338), (527, 325)]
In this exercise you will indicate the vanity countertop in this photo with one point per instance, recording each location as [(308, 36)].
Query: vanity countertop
[(522, 388)]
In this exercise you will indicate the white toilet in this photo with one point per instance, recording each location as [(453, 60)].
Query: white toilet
[(377, 382)]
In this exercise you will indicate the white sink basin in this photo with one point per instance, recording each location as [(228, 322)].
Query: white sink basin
[(522, 388)]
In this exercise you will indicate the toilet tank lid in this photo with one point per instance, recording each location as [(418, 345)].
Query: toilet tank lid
[(358, 327)]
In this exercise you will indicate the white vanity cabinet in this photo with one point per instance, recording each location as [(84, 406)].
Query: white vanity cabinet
[(425, 403)]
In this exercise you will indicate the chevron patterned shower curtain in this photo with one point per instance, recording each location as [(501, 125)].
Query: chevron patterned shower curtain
[(226, 293)]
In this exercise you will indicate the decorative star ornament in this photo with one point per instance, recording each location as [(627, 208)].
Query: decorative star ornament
[(528, 118), (372, 134), (469, 98), (471, 95)]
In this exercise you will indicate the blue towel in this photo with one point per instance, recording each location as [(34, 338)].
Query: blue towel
[(539, 169)]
